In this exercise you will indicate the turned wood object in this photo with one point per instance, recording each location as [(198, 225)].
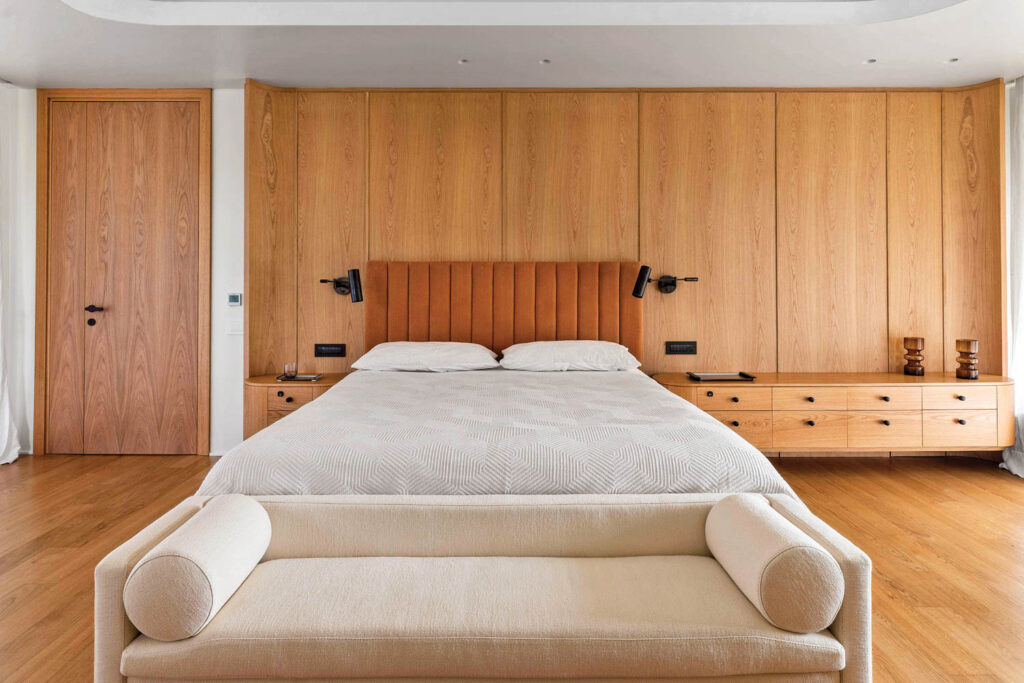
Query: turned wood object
[(914, 346), (967, 358)]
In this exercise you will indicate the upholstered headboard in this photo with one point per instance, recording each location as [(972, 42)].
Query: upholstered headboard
[(498, 304)]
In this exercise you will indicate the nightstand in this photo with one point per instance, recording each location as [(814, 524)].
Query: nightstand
[(267, 400)]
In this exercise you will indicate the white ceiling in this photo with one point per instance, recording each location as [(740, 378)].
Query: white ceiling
[(47, 43)]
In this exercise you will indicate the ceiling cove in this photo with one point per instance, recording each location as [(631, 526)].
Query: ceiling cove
[(505, 12)]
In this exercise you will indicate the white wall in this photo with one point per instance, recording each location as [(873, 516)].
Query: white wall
[(17, 248)]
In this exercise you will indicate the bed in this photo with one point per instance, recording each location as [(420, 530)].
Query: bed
[(497, 431)]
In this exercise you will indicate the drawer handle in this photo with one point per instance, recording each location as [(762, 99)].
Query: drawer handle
[(961, 421), (810, 399), (289, 399), (710, 394), (810, 423), (735, 399), (735, 423), (886, 399), (280, 393), (961, 397), (886, 423)]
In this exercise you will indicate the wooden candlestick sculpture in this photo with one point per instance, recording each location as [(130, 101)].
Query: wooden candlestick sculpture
[(914, 346), (967, 350)]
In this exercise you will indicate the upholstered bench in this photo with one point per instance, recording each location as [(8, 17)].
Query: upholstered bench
[(680, 587)]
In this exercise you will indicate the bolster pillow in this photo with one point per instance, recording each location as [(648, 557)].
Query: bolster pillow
[(178, 586), (795, 583)]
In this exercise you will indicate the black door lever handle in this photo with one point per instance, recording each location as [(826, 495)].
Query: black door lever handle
[(93, 309)]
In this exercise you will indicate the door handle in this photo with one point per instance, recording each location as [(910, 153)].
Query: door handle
[(93, 308)]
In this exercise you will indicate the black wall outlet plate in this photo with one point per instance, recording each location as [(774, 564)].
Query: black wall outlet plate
[(329, 350), (686, 348)]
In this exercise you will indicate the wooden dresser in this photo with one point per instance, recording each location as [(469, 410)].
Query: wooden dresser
[(267, 400), (806, 412)]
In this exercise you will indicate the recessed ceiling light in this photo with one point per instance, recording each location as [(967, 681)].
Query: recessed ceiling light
[(545, 61), (870, 60), (463, 60), (952, 60)]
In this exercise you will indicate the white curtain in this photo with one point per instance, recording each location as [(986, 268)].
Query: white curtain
[(1013, 458), (9, 186)]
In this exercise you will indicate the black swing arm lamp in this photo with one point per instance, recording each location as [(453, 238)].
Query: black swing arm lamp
[(351, 286), (666, 283)]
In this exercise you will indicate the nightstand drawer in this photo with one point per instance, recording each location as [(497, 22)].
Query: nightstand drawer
[(275, 415), (288, 398), (734, 398), (753, 425), (884, 429), (809, 398), (959, 398), (883, 398), (808, 429), (949, 429)]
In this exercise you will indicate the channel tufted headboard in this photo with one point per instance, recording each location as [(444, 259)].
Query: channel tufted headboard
[(501, 303)]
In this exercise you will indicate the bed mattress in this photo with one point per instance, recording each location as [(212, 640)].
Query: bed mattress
[(495, 432)]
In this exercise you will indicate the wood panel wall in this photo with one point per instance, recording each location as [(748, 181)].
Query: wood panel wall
[(824, 225)]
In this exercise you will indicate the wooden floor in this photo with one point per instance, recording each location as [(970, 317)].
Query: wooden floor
[(946, 537)]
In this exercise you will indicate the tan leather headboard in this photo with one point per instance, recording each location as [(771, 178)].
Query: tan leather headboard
[(498, 304)]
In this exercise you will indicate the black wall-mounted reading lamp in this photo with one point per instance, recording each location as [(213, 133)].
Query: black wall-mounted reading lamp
[(351, 285), (666, 283)]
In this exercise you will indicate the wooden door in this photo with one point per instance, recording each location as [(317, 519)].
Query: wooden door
[(125, 236)]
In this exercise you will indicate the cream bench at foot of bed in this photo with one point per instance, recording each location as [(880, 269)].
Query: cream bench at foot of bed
[(487, 588)]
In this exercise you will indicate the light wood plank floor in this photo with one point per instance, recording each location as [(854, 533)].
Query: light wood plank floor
[(946, 537)]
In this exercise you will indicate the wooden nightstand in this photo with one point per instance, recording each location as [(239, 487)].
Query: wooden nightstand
[(873, 411), (267, 400)]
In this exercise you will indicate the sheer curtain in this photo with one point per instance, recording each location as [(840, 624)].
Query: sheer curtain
[(9, 140), (1013, 457)]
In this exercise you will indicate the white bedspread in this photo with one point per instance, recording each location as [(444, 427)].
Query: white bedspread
[(495, 432)]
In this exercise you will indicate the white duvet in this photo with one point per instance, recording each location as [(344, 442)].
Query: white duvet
[(495, 432)]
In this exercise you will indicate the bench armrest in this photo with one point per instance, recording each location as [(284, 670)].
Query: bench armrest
[(113, 630), (852, 626)]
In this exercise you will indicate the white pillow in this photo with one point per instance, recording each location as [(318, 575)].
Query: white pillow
[(568, 355), (427, 357)]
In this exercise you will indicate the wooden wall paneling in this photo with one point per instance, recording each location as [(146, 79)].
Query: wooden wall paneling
[(65, 339), (331, 234), (707, 209), (270, 232), (142, 266), (914, 172), (973, 219), (570, 175), (435, 176), (831, 241)]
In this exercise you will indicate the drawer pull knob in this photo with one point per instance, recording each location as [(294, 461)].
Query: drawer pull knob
[(810, 399), (961, 397), (961, 421), (289, 399), (810, 423), (886, 423), (886, 399), (735, 423), (280, 393), (710, 394), (735, 399)]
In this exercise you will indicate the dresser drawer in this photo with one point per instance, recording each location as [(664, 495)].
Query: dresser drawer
[(883, 398), (288, 398), (884, 429), (753, 425), (959, 398), (275, 415), (734, 398), (808, 429), (809, 398), (949, 429)]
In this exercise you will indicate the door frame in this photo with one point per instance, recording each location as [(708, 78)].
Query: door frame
[(44, 98)]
